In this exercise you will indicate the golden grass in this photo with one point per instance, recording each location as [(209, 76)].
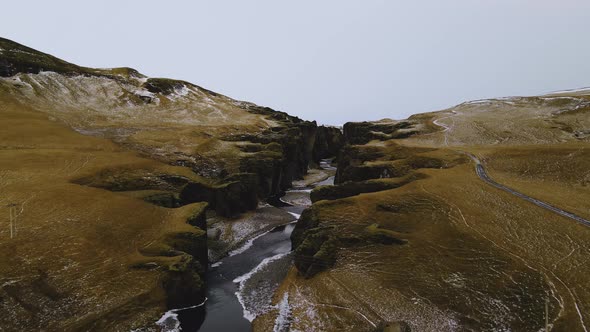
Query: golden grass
[(473, 251), (77, 242)]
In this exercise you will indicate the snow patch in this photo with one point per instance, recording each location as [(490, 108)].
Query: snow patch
[(179, 92), (283, 320), (183, 91), (587, 89), (144, 93)]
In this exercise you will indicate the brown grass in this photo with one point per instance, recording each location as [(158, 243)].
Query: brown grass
[(70, 263)]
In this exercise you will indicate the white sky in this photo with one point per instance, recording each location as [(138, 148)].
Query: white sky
[(327, 60)]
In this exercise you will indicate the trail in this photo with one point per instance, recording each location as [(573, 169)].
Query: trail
[(482, 174), (446, 128)]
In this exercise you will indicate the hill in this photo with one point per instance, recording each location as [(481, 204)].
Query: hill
[(108, 178), (466, 219)]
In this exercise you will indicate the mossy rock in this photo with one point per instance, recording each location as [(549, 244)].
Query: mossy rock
[(328, 143), (237, 194), (164, 86), (164, 199), (359, 133), (317, 252), (198, 217), (268, 165), (349, 189), (193, 243), (183, 283), (315, 248)]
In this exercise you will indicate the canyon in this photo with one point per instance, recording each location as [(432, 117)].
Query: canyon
[(125, 196)]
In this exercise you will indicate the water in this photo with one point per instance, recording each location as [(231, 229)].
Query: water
[(241, 286)]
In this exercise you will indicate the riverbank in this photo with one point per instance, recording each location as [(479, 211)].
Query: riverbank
[(250, 257)]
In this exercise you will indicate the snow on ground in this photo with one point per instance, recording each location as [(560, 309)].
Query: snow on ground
[(587, 89), (169, 321), (283, 320), (144, 93)]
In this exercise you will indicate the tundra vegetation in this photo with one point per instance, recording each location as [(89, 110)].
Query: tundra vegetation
[(118, 190), (411, 238), (115, 178)]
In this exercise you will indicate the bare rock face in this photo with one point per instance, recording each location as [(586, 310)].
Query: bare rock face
[(329, 142)]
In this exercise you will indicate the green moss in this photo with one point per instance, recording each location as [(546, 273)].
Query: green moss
[(317, 251)]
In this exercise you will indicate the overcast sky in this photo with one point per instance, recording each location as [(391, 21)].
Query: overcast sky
[(327, 60)]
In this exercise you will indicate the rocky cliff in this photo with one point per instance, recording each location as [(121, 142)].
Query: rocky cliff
[(129, 167)]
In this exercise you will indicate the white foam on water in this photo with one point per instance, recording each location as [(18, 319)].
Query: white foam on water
[(301, 190), (296, 215), (169, 321), (246, 245), (242, 280), (217, 264)]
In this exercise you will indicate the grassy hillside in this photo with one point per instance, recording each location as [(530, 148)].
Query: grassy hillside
[(411, 234), (107, 178)]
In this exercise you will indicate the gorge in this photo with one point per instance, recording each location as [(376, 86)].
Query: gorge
[(152, 204)]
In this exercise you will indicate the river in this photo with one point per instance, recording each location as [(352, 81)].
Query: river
[(241, 286)]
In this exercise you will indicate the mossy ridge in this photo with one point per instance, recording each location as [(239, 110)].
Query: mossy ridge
[(277, 155), (362, 169), (317, 242), (16, 58), (125, 179), (329, 143), (352, 188), (391, 160), (164, 86), (182, 252), (364, 132)]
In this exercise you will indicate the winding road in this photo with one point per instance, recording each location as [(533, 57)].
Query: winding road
[(481, 172)]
